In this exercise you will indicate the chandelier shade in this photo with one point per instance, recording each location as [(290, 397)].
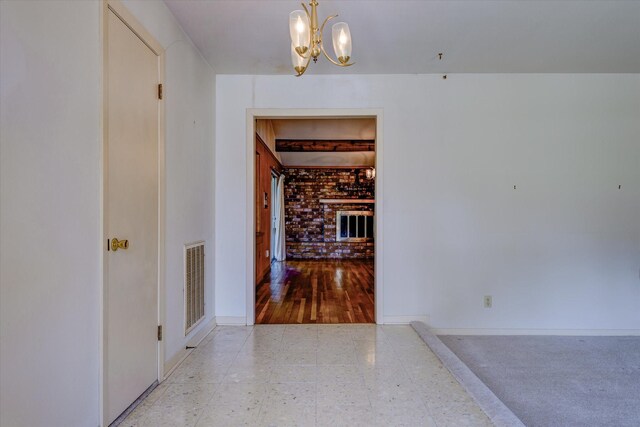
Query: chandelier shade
[(299, 29), (341, 41)]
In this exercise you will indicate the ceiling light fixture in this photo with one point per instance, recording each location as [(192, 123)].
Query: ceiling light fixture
[(370, 173), (306, 39)]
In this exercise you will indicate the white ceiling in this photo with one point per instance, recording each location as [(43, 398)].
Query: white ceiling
[(405, 36)]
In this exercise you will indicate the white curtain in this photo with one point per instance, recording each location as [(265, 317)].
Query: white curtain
[(279, 250)]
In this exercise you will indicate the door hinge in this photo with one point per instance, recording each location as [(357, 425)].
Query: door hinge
[(160, 91), (159, 332)]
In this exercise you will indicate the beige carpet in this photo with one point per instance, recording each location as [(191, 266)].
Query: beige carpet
[(558, 381)]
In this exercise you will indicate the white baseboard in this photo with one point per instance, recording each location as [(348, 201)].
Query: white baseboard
[(515, 331), (202, 333), (404, 320), (231, 320), (171, 364)]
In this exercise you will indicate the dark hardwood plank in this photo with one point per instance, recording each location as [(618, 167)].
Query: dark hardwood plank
[(325, 291)]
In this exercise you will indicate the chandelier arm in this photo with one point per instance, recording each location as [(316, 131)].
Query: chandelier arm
[(307, 12), (331, 59), (325, 22)]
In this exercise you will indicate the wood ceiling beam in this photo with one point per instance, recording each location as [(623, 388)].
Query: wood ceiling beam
[(312, 145)]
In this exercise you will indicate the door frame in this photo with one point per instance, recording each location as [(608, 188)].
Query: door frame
[(145, 36), (302, 113)]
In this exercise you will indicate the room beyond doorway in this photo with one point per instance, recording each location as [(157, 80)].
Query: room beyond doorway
[(253, 114), (314, 220), (326, 291)]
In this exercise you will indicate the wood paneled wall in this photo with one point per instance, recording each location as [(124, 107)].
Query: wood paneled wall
[(266, 164), (264, 129)]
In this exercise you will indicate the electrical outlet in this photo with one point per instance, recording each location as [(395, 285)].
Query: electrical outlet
[(266, 253), (488, 301)]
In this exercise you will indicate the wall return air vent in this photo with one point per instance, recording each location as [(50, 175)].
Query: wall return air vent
[(193, 285)]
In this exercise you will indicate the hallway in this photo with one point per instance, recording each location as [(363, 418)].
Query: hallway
[(327, 291), (309, 375)]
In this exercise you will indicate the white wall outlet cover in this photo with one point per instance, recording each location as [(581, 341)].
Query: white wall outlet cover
[(488, 301)]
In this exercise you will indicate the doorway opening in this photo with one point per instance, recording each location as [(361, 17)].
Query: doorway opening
[(315, 220)]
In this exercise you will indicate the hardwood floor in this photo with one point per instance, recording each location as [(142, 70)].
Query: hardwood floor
[(324, 291)]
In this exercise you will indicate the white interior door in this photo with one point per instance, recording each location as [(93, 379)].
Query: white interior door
[(131, 213)]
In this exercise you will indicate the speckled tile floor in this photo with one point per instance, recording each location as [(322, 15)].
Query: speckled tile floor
[(309, 375)]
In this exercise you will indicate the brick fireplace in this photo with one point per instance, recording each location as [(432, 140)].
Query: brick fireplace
[(313, 196)]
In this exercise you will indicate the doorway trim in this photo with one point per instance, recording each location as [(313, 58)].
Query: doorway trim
[(145, 36), (302, 113)]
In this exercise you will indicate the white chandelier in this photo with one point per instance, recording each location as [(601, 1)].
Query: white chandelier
[(306, 39)]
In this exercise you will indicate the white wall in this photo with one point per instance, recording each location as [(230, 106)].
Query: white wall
[(190, 115), (562, 251), (49, 226), (50, 199)]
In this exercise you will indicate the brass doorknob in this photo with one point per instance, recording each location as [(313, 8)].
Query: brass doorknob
[(119, 244)]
